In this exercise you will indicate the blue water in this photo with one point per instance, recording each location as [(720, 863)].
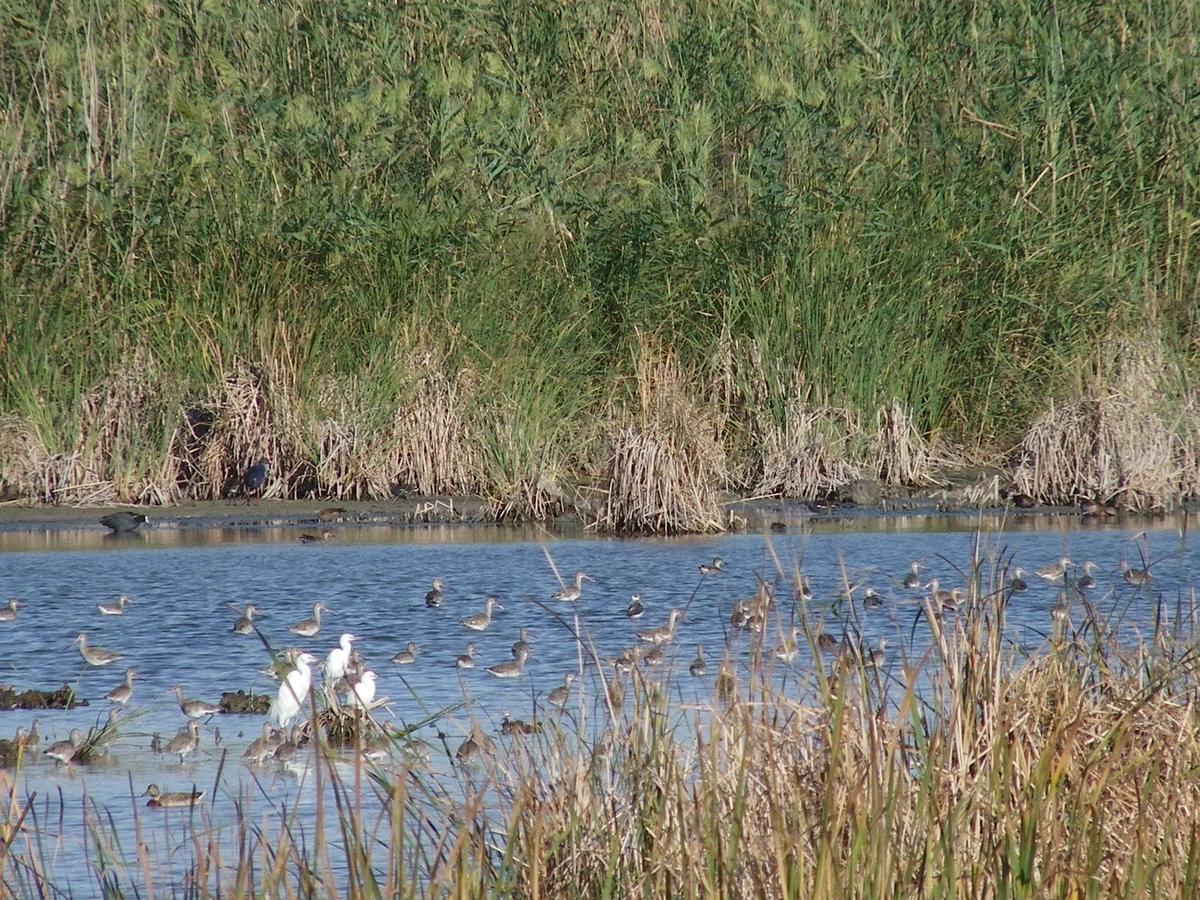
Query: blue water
[(374, 582)]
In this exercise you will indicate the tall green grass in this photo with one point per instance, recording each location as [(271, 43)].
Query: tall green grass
[(952, 207)]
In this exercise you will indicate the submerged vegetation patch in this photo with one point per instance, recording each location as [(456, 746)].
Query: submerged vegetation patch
[(424, 247)]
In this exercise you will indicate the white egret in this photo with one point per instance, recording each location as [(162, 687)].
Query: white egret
[(293, 691)]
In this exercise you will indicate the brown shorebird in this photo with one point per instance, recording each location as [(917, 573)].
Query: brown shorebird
[(467, 659), (698, 666), (124, 691), (1135, 577), (522, 643), (323, 537), (572, 592), (912, 580), (8, 613), (64, 751), (184, 742), (309, 627), (480, 621), (193, 709), (407, 656), (95, 656), (115, 609), (245, 622), (261, 747), (635, 610), (434, 598), (1055, 571), (561, 694), (712, 568), (166, 799), (511, 669), (662, 634)]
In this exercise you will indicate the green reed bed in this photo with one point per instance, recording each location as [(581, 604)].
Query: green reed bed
[(954, 209)]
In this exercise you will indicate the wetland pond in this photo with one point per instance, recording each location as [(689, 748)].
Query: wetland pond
[(374, 580)]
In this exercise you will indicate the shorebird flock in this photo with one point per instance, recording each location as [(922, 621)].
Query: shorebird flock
[(347, 683)]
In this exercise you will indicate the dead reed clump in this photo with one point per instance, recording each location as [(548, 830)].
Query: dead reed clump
[(431, 445), (1189, 447), (1104, 447), (896, 452), (254, 412), (352, 456), (814, 450), (1129, 440), (127, 425), (25, 464), (666, 460)]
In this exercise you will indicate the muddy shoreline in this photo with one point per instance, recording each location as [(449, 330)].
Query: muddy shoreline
[(310, 517)]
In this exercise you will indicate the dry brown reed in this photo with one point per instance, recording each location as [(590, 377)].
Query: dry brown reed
[(254, 412), (1127, 441), (666, 461), (1055, 773), (432, 445), (812, 452)]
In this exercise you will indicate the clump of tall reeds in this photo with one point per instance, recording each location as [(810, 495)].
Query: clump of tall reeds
[(666, 463), (1126, 442)]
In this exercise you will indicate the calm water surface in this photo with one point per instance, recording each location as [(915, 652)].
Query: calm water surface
[(374, 581)]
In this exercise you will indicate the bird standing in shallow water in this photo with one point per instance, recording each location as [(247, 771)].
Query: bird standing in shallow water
[(95, 656), (124, 691), (1056, 571), (511, 669), (467, 660), (292, 691), (561, 694), (1086, 580), (362, 692), (698, 666), (1018, 583), (574, 591), (912, 580), (434, 598), (309, 627), (480, 621), (184, 742), (193, 709), (338, 660), (245, 622), (124, 522), (64, 751), (254, 480), (324, 537), (635, 609), (166, 800), (8, 613), (407, 656), (115, 609), (261, 747), (663, 634), (522, 643), (1135, 577)]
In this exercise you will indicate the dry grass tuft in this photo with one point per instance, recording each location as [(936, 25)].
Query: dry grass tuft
[(1106, 448), (353, 461), (255, 411), (432, 447), (897, 453), (666, 462), (812, 453), (1129, 440)]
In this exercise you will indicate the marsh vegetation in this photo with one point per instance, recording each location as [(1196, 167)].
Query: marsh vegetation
[(610, 258)]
